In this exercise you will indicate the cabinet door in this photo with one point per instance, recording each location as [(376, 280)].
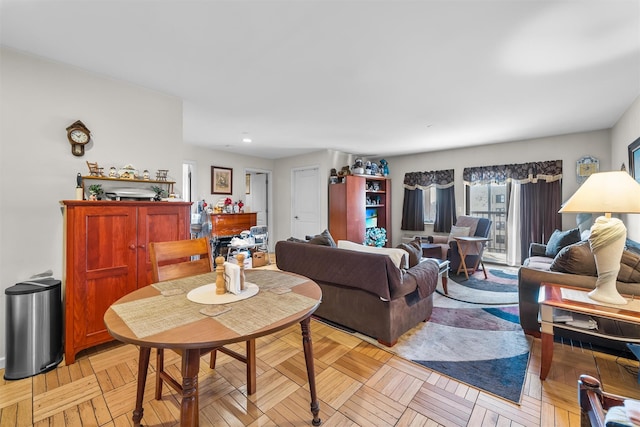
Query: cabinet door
[(102, 245), (159, 223)]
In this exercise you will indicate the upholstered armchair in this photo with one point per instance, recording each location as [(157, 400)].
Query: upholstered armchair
[(479, 227)]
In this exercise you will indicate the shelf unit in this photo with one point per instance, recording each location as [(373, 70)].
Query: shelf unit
[(358, 203), (169, 184)]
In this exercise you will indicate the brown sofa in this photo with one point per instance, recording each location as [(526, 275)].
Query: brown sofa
[(574, 266), (362, 291)]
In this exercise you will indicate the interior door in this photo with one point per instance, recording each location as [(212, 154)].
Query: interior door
[(305, 215)]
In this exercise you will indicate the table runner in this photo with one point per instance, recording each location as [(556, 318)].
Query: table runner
[(157, 314)]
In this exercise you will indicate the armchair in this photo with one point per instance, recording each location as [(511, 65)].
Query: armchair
[(479, 227)]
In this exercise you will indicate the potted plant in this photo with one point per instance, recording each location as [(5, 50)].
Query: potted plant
[(95, 191), (160, 192)]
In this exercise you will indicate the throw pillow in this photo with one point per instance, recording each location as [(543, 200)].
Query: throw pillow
[(457, 231), (575, 259), (413, 253), (560, 239), (323, 238), (629, 267), (398, 256)]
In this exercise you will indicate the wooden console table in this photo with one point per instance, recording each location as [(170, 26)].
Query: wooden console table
[(577, 301), (232, 224)]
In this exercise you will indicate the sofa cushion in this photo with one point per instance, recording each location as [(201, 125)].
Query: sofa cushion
[(575, 259), (414, 253), (629, 267), (398, 256), (323, 238), (457, 231), (578, 259), (560, 239), (538, 263)]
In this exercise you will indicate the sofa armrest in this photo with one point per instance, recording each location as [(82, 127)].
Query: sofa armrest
[(537, 249)]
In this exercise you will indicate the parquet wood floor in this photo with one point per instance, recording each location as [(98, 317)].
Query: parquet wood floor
[(358, 385)]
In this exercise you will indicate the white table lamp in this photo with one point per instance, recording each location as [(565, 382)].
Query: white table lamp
[(608, 192)]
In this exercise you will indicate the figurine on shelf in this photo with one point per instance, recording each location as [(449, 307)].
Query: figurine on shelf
[(112, 172), (146, 175), (236, 208), (384, 167), (358, 167)]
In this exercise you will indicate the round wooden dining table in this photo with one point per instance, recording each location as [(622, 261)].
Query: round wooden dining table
[(161, 316)]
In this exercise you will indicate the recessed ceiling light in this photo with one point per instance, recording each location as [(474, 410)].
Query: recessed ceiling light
[(246, 140)]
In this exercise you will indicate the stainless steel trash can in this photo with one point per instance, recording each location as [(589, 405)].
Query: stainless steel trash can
[(34, 328)]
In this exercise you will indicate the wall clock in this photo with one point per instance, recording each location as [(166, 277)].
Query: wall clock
[(586, 166), (78, 135)]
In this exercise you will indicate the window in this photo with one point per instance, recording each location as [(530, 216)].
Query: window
[(429, 203)]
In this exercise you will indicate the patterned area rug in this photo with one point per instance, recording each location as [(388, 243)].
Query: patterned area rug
[(499, 288), (480, 345)]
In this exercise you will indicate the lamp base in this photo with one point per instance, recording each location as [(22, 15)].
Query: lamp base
[(607, 243), (603, 294)]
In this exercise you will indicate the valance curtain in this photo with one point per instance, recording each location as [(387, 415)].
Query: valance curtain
[(523, 173), (413, 208)]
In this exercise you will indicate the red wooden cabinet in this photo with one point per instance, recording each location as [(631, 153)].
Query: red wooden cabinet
[(107, 257), (358, 203)]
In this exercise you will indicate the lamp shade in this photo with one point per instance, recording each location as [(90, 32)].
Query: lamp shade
[(606, 192)]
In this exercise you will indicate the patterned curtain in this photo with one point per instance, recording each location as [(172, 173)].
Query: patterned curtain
[(424, 180), (523, 173)]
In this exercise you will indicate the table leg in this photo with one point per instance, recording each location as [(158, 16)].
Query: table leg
[(189, 411), (463, 255), (546, 355), (311, 373), (251, 366), (143, 367)]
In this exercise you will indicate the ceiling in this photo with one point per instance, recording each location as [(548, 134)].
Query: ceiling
[(373, 78)]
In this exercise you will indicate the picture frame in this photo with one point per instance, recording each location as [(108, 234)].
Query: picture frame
[(247, 183), (221, 180), (634, 159)]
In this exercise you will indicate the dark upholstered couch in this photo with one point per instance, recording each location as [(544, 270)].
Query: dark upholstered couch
[(536, 270), (363, 291)]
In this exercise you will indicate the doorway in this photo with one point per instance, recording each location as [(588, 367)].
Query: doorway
[(258, 197)]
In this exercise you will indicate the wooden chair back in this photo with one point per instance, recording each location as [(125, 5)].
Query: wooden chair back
[(172, 260)]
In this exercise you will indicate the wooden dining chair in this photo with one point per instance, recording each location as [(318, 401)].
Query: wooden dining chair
[(183, 258)]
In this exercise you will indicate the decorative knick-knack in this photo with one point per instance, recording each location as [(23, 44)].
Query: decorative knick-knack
[(220, 287)]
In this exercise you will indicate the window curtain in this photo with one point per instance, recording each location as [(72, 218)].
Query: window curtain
[(539, 217), (445, 210), (535, 206), (413, 210), (412, 207)]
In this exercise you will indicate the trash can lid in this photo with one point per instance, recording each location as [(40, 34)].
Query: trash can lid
[(32, 286)]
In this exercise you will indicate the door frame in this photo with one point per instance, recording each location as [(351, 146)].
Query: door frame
[(270, 222)]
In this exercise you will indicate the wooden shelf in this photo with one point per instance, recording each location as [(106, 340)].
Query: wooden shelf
[(108, 178)]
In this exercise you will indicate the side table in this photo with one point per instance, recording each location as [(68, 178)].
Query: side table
[(431, 250), (577, 301), (471, 245)]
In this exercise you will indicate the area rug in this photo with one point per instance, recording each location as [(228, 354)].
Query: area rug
[(480, 345), (499, 288)]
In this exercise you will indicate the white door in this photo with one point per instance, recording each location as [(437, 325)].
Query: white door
[(305, 213)]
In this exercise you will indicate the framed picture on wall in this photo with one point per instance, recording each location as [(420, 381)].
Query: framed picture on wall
[(634, 159), (221, 180)]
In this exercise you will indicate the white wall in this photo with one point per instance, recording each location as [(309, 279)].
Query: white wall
[(568, 148), (37, 170), (625, 131)]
